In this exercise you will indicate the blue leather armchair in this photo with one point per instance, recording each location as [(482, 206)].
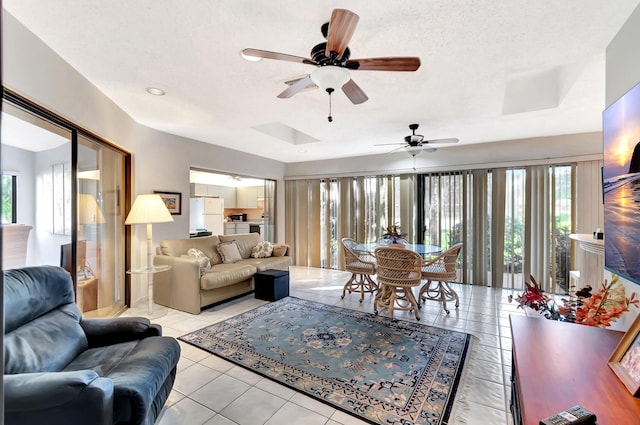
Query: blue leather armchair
[(63, 369)]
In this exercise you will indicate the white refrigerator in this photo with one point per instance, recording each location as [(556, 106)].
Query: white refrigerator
[(207, 213)]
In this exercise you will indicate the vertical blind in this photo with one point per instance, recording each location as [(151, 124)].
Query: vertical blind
[(513, 222)]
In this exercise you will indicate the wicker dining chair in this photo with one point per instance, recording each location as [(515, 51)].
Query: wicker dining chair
[(438, 272), (399, 270), (362, 265)]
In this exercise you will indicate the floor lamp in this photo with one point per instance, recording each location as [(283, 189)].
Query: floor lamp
[(149, 209)]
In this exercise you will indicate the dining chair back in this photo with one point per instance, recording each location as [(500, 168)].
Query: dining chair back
[(399, 270), (438, 272), (362, 266)]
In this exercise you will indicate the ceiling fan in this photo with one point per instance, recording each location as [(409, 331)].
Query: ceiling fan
[(414, 143), (332, 59)]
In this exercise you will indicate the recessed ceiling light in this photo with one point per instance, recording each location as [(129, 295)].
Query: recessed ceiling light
[(302, 151), (155, 91), (250, 58)]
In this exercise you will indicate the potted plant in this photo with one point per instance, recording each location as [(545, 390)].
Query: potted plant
[(393, 237)]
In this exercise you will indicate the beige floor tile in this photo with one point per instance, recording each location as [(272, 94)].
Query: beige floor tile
[(186, 411), (193, 378), (313, 404), (292, 414), (220, 392), (254, 407), (219, 420)]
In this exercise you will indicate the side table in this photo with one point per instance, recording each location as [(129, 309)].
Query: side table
[(149, 272), (87, 294)]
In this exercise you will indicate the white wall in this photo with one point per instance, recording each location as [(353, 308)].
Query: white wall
[(539, 150), (623, 73), (161, 161)]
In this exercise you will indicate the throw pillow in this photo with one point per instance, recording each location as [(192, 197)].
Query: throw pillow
[(229, 252), (279, 250), (202, 259), (262, 250)]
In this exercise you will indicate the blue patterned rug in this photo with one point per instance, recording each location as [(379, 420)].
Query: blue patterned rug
[(380, 370)]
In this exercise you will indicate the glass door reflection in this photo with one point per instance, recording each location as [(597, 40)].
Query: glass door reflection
[(100, 216)]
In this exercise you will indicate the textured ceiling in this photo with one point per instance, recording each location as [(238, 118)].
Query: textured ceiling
[(491, 70)]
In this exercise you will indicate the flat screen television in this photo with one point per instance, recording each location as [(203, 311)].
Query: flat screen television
[(621, 185)]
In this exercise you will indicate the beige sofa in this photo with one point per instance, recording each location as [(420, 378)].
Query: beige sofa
[(184, 289)]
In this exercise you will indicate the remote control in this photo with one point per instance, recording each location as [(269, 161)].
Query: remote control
[(573, 416)]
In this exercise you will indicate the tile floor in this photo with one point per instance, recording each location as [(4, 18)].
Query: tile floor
[(212, 391)]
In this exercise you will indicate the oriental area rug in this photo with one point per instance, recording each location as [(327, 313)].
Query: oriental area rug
[(380, 370)]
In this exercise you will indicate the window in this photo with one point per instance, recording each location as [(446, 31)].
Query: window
[(513, 222), (9, 184)]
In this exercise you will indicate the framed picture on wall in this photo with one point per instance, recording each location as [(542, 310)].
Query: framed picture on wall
[(625, 360), (173, 201)]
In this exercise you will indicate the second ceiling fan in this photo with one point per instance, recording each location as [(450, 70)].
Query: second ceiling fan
[(332, 59), (414, 143)]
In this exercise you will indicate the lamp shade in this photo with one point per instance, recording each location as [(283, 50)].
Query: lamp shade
[(89, 211), (330, 77), (147, 209)]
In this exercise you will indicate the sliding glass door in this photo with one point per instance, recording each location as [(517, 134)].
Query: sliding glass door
[(101, 243), (66, 205)]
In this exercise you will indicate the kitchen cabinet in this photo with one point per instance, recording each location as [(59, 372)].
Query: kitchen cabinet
[(229, 228), (242, 227), (236, 227), (229, 195), (201, 189), (247, 197)]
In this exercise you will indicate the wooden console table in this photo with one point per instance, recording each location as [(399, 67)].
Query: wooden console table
[(557, 365)]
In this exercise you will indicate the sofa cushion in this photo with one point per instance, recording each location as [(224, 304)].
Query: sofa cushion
[(262, 250), (179, 247), (245, 242), (227, 274), (138, 370), (229, 252), (262, 264)]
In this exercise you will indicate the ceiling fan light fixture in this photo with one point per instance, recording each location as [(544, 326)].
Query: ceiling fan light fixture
[(330, 77)]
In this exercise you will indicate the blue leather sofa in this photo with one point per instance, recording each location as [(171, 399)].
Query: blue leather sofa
[(63, 369)]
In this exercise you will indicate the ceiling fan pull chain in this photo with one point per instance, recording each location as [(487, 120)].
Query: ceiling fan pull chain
[(330, 90)]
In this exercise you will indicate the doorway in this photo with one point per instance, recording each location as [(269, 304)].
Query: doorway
[(247, 203)]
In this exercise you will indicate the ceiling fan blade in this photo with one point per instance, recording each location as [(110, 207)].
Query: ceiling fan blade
[(354, 92), (389, 144), (452, 140), (429, 149), (385, 64), (398, 149), (341, 28), (296, 87), (277, 56)]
